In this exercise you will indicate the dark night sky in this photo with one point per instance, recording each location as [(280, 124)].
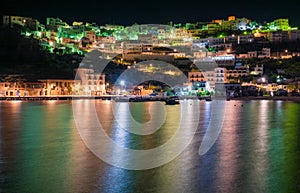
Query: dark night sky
[(153, 11)]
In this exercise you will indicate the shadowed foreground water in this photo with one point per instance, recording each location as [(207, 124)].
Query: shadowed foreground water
[(258, 150)]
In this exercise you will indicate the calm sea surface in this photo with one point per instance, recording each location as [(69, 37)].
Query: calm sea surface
[(258, 149)]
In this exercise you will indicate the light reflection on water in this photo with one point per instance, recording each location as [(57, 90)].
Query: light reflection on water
[(258, 150)]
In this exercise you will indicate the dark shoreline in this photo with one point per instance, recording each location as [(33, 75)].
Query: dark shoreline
[(141, 99), (275, 98)]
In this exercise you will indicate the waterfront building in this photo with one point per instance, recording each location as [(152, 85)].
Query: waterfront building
[(4, 86), (92, 83), (21, 89), (59, 87)]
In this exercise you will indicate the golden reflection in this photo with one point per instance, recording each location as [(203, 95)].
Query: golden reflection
[(84, 165), (16, 106), (261, 144), (262, 126), (228, 147)]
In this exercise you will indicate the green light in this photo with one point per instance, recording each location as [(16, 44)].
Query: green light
[(39, 34)]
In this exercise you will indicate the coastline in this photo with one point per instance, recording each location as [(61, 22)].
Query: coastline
[(275, 98), (140, 99)]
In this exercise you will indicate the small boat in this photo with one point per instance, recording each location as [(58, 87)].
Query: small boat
[(121, 99), (172, 101), (137, 99), (208, 98)]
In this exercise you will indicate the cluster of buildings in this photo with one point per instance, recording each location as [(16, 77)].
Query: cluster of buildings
[(90, 83), (86, 83), (59, 37), (178, 44)]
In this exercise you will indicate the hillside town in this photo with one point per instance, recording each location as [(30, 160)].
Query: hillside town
[(248, 57)]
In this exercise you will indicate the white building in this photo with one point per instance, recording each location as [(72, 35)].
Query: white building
[(92, 83), (218, 75), (258, 70), (265, 53)]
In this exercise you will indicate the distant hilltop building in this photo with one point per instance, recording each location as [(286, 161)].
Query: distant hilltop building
[(17, 21), (231, 18)]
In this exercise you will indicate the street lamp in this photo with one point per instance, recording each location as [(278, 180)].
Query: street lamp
[(122, 83)]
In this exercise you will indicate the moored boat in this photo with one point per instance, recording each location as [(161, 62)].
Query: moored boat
[(172, 101)]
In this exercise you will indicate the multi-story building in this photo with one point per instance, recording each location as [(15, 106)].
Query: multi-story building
[(295, 35), (53, 24), (239, 39), (4, 86), (54, 87), (235, 74), (196, 76), (215, 76), (279, 36), (265, 53), (220, 75), (21, 89), (258, 70), (148, 52), (231, 18), (252, 54), (92, 83), (148, 38), (225, 60), (13, 21), (212, 28), (91, 35), (282, 24)]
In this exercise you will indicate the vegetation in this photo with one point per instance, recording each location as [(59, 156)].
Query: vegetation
[(21, 55), (277, 70)]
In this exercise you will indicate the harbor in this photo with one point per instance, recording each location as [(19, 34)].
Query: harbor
[(104, 97)]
